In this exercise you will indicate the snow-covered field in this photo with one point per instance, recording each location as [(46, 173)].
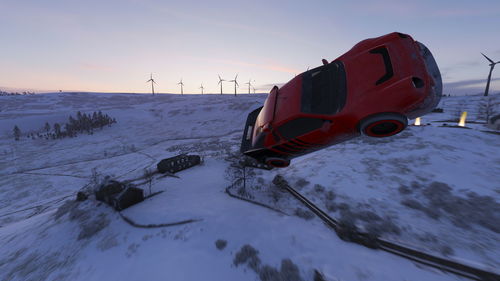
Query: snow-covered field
[(435, 188)]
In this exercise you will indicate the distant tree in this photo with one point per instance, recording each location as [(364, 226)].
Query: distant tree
[(485, 110), (239, 174), (82, 123), (47, 127), (57, 130), (69, 131), (17, 133)]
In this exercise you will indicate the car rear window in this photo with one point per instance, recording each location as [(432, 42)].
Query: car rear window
[(324, 89)]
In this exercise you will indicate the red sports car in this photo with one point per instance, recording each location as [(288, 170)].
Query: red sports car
[(372, 89)]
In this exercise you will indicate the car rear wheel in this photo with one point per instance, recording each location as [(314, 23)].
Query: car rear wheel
[(277, 162), (383, 125)]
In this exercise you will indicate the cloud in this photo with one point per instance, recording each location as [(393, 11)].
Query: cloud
[(20, 90), (468, 87), (96, 67), (463, 12), (467, 83), (267, 66), (421, 9)]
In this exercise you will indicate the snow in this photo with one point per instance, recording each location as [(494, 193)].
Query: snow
[(61, 240)]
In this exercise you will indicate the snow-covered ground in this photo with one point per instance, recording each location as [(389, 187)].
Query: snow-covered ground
[(436, 188)]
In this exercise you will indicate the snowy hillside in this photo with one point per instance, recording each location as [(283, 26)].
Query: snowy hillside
[(433, 187)]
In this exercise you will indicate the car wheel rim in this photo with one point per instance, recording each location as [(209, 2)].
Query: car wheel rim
[(384, 128)]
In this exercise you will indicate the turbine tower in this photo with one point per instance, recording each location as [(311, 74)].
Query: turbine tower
[(235, 83), (201, 87), (249, 83), (492, 65), (182, 87), (220, 82), (152, 83)]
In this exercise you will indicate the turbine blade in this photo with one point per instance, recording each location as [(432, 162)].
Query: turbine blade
[(487, 58)]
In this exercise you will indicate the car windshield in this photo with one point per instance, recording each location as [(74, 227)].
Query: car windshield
[(324, 89)]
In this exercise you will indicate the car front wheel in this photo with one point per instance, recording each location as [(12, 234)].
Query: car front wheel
[(383, 125)]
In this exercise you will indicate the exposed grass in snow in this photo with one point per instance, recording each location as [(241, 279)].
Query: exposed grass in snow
[(419, 187)]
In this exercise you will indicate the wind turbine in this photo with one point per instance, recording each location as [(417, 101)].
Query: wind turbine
[(253, 89), (182, 87), (201, 87), (492, 65), (220, 82), (235, 83), (249, 83), (152, 83)]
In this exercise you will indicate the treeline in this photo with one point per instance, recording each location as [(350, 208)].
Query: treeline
[(82, 123), (2, 93)]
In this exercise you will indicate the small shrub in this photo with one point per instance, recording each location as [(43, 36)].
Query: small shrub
[(403, 189), (289, 271), (300, 183), (446, 250), (242, 191), (413, 204), (319, 188), (220, 244), (386, 225), (93, 227), (331, 206), (305, 214), (275, 193), (65, 208), (246, 254), (368, 216), (330, 195), (269, 273), (343, 206), (432, 213)]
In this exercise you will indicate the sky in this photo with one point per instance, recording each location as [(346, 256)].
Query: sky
[(114, 45)]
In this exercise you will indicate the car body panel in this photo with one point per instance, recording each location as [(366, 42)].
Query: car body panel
[(385, 74)]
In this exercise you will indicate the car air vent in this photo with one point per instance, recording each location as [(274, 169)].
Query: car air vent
[(417, 82), (387, 63)]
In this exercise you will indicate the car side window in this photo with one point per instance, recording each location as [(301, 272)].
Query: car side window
[(324, 89)]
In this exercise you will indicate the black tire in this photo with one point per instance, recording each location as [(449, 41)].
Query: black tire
[(277, 162), (383, 125)]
